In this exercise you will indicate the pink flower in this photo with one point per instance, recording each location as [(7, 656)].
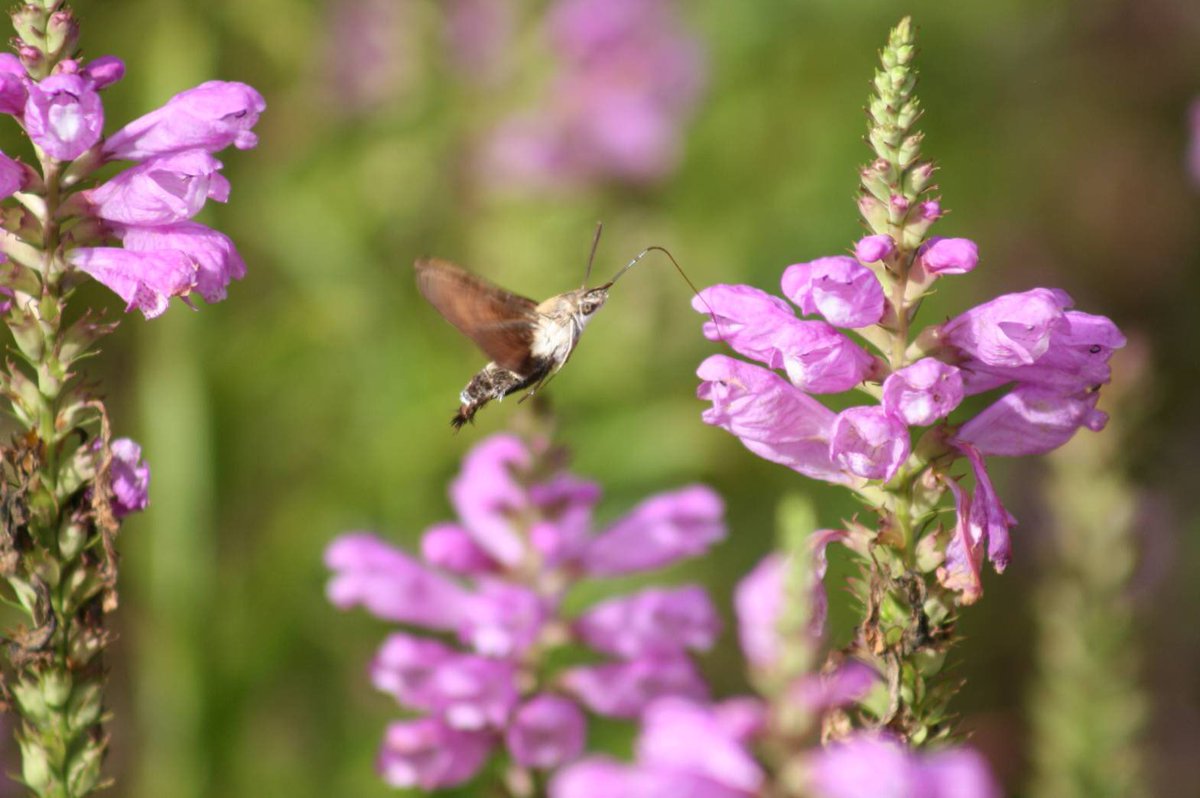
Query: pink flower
[(982, 524), (1011, 330), (1031, 420), (209, 117), (817, 358), (851, 681), (13, 89), (600, 777), (487, 495), (12, 176), (874, 248), (841, 289), (874, 766), (679, 734), (624, 689), (567, 503), (145, 281), (428, 754), (404, 668), (923, 393), (130, 478), (653, 622), (948, 255), (758, 601), (451, 548), (391, 585), (217, 260), (161, 191), (772, 418), (104, 71), (64, 116), (869, 442), (504, 619), (661, 530), (546, 732)]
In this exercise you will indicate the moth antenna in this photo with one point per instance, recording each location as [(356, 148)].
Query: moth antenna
[(592, 255), (712, 313)]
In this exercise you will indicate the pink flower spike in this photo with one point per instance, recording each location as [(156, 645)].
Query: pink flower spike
[(869, 442), (874, 248), (64, 116), (652, 622), (949, 255), (145, 280), (625, 689), (771, 417), (104, 71), (12, 176), (13, 90), (841, 289), (924, 392), (217, 260), (162, 191), (390, 584), (546, 732), (428, 754), (661, 530), (130, 478), (681, 735), (209, 117)]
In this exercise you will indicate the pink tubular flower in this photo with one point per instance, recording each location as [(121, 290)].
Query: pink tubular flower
[(1031, 420), (653, 622), (404, 667), (873, 766), (869, 442), (12, 176), (848, 683), (771, 417), (130, 478), (390, 584), (428, 754), (64, 116), (13, 91), (104, 71), (948, 255), (451, 548), (209, 117), (963, 564), (169, 189), (659, 531), (217, 260), (504, 619), (600, 777), (679, 734), (874, 248), (546, 732), (841, 289), (486, 495), (923, 393), (1011, 330), (625, 689), (145, 281)]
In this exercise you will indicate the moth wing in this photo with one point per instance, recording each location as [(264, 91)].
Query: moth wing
[(501, 323)]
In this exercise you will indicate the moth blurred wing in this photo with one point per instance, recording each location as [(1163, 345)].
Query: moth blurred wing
[(500, 322)]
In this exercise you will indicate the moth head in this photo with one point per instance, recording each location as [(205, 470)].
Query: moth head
[(592, 300)]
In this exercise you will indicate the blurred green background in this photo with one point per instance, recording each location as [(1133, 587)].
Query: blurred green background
[(315, 399)]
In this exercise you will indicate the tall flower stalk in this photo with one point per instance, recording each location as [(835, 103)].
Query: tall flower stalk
[(66, 481), (1039, 361)]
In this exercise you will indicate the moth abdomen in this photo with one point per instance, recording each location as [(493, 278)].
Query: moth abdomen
[(495, 382)]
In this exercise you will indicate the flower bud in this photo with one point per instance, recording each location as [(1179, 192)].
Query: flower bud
[(27, 21), (104, 71), (874, 248), (949, 255), (31, 59), (874, 212), (62, 33)]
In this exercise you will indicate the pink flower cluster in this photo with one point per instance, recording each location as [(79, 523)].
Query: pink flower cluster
[(707, 750), (628, 76), (496, 580), (1045, 360), (148, 207)]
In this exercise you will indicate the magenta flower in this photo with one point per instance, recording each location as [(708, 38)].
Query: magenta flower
[(162, 191), (1031, 420), (846, 684), (546, 732), (145, 281), (12, 176), (948, 255), (871, 249), (841, 289), (104, 71), (772, 418), (1011, 330), (217, 260), (428, 754), (64, 116), (923, 393), (497, 579), (13, 89), (209, 117), (130, 478), (871, 766), (869, 442), (653, 622)]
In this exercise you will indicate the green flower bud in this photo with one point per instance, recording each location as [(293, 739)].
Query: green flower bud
[(29, 22), (62, 34)]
